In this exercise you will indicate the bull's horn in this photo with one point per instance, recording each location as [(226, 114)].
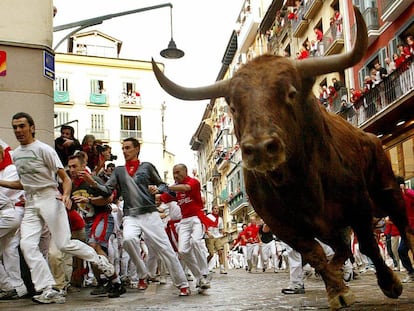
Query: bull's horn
[(315, 66), (216, 90)]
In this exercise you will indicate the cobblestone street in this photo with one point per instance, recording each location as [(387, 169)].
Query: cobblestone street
[(238, 290)]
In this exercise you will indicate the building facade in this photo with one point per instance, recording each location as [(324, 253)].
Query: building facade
[(111, 98)]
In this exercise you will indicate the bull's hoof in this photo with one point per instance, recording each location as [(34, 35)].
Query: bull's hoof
[(341, 300), (393, 290)]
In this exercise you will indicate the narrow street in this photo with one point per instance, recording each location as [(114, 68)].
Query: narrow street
[(238, 290)]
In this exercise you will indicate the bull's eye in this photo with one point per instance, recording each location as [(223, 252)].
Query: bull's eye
[(292, 93)]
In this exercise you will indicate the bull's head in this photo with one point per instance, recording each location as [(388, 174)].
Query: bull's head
[(266, 97)]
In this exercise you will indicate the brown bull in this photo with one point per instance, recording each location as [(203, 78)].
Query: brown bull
[(308, 173)]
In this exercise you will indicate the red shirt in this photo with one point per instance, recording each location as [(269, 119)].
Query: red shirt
[(319, 35), (252, 233), (408, 196), (190, 202), (391, 229)]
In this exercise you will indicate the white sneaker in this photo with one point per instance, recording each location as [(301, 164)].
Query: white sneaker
[(163, 279), (205, 282), (408, 279), (49, 295), (105, 266)]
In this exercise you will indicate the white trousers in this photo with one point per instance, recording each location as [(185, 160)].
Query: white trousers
[(244, 252), (269, 250), (10, 274), (253, 254), (295, 267), (192, 247), (41, 208), (154, 233)]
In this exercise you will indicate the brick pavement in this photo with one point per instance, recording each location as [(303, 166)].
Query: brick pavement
[(236, 291)]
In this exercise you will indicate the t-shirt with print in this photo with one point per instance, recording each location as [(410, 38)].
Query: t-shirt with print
[(37, 164)]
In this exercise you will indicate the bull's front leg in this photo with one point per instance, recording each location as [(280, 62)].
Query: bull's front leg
[(339, 295)]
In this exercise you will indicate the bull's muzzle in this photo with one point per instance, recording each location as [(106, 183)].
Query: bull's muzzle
[(263, 155)]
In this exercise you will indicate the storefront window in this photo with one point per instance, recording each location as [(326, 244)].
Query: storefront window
[(408, 151), (394, 159)]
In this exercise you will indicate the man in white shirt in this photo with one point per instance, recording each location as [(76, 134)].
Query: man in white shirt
[(38, 165)]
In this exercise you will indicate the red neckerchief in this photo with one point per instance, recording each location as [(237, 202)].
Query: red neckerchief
[(78, 181), (7, 160), (131, 167), (207, 222)]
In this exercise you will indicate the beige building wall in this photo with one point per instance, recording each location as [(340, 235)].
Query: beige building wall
[(80, 70), (25, 35)]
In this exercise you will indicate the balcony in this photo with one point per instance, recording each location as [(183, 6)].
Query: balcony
[(237, 201), (61, 96), (311, 8), (222, 160), (372, 21), (101, 134), (123, 134), (130, 101), (97, 98), (300, 24), (379, 109), (392, 9), (249, 24), (333, 41), (336, 105)]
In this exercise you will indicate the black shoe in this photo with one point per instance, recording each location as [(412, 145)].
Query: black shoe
[(101, 289), (9, 294), (116, 290), (293, 291)]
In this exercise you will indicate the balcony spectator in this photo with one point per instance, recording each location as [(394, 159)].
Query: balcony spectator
[(332, 95), (381, 72), (293, 15), (318, 33), (355, 95), (337, 84), (404, 55), (390, 65), (338, 23), (303, 53), (313, 48), (319, 40), (368, 84), (323, 96), (410, 43), (398, 60)]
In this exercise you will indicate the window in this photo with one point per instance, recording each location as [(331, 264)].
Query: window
[(130, 127), (62, 117), (97, 86), (408, 152), (393, 152), (97, 122), (128, 87), (392, 47), (81, 49), (130, 123), (61, 84)]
